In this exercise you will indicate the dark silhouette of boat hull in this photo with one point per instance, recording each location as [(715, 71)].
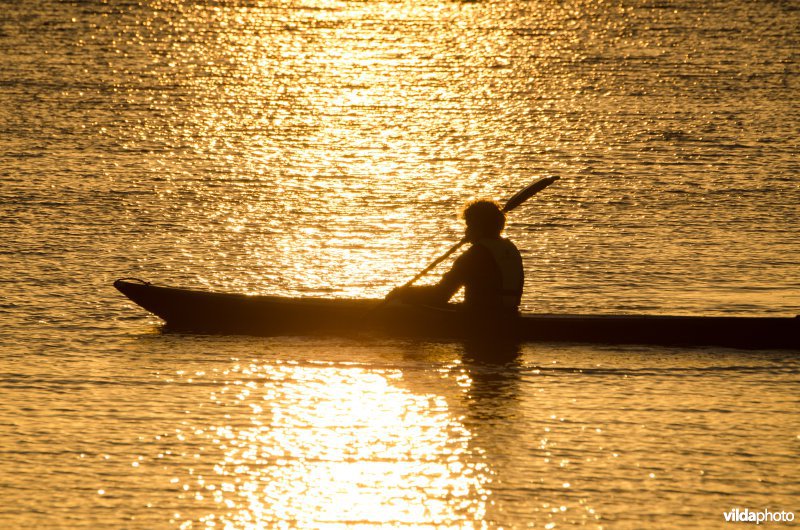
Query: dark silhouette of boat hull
[(223, 313)]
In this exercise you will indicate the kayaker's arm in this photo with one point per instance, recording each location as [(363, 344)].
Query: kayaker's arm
[(430, 295), (439, 294)]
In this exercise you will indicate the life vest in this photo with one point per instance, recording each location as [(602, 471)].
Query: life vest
[(509, 262)]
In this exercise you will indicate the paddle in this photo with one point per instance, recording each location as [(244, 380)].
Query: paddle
[(518, 198)]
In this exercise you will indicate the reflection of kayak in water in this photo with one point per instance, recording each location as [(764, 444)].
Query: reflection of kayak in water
[(222, 313)]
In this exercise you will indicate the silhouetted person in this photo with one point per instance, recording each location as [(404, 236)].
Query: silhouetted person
[(490, 270)]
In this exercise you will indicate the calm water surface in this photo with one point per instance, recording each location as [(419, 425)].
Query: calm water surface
[(323, 148)]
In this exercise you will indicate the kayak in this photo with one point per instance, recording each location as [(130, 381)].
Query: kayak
[(197, 311)]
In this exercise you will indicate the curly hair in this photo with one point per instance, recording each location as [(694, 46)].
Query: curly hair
[(484, 216)]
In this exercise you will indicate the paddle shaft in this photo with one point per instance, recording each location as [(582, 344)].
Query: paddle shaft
[(513, 202), (435, 262)]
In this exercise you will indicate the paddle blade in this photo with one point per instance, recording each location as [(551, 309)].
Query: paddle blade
[(528, 192)]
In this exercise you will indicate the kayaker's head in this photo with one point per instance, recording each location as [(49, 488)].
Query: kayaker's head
[(484, 220)]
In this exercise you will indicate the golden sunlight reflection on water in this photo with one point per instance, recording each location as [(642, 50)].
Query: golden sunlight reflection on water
[(312, 446), (365, 125), (324, 148)]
